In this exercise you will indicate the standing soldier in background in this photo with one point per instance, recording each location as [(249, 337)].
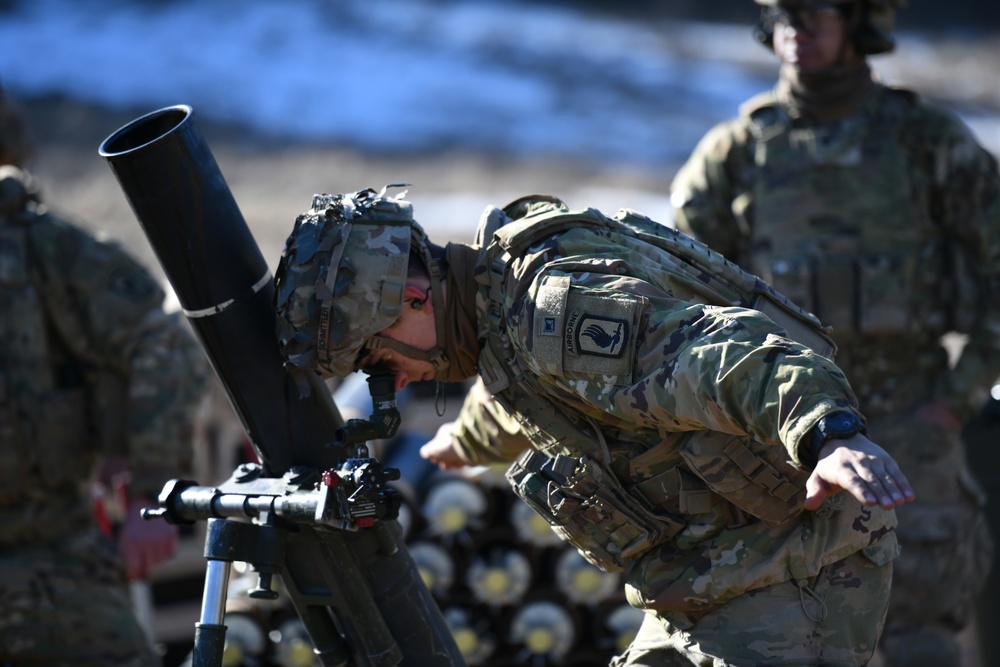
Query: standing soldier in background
[(881, 215), (91, 369)]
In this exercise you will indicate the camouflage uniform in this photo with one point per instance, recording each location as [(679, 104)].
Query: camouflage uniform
[(885, 224), (90, 365), (686, 412), (651, 369)]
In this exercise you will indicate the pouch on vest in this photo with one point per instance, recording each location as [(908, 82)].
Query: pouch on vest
[(587, 507), (770, 488)]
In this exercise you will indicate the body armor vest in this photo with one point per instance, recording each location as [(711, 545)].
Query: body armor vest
[(821, 239), (47, 432), (701, 465), (836, 228)]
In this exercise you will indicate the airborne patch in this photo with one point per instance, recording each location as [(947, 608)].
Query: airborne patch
[(599, 336), (583, 333)]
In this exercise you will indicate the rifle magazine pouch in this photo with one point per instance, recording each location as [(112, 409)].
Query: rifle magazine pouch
[(588, 508)]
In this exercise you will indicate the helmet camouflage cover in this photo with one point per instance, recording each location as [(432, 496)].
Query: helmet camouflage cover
[(873, 26), (341, 278)]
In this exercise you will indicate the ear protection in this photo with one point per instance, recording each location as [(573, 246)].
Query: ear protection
[(418, 304)]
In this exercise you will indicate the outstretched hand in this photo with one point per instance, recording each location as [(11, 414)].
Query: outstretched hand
[(440, 449), (863, 469)]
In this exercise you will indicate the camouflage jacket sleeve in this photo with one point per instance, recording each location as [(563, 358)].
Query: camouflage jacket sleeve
[(485, 432), (964, 199), (680, 365), (148, 370), (705, 193)]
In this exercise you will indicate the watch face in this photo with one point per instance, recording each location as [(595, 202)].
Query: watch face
[(837, 426), (840, 426), (843, 422)]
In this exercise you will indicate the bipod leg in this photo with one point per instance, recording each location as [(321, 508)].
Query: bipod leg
[(210, 632)]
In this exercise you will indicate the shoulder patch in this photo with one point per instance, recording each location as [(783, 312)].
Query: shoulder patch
[(597, 335), (574, 332), (549, 323)]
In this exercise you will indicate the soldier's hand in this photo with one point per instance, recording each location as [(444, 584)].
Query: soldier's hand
[(863, 469), (143, 544), (440, 450)]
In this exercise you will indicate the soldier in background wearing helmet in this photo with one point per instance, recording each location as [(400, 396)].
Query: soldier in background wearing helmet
[(633, 391), (881, 215), (92, 370)]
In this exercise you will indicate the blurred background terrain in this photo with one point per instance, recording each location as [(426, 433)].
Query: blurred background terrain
[(471, 103)]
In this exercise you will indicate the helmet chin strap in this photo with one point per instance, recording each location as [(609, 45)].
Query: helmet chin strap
[(436, 355)]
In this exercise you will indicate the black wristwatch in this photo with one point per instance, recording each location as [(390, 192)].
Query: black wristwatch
[(835, 426)]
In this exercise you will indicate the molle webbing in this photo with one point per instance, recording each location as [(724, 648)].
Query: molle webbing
[(761, 483), (587, 506), (704, 271), (720, 466), (760, 472)]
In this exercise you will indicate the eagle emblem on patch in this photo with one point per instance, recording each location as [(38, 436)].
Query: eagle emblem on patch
[(601, 336)]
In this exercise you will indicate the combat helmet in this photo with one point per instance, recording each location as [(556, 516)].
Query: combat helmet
[(342, 277), (871, 22)]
